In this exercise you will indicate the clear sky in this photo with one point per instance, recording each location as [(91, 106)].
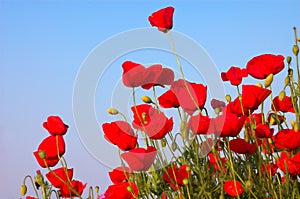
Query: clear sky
[(44, 43)]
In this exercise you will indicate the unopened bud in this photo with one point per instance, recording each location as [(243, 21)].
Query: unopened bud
[(281, 95), (185, 181), (290, 72), (288, 59), (248, 184), (188, 169), (268, 80), (296, 50), (112, 111), (146, 99), (240, 98), (272, 120), (298, 39), (42, 154), (270, 141), (296, 127), (23, 190), (97, 189), (222, 196), (129, 188), (293, 123), (163, 142), (228, 98), (217, 111), (287, 81), (174, 146), (259, 84)]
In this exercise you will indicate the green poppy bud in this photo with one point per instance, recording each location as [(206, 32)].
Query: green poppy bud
[(296, 50), (288, 59), (146, 99)]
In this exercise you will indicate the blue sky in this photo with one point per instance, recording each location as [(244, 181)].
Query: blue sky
[(43, 44)]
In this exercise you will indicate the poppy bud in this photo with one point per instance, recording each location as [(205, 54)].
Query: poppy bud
[(288, 59), (23, 190), (174, 146), (163, 143), (97, 189), (248, 184), (222, 196), (259, 85), (296, 50), (281, 95), (217, 111), (146, 99), (185, 181), (268, 80), (228, 98), (270, 141), (298, 39), (290, 72), (287, 81), (112, 111), (188, 169), (296, 127), (42, 154), (129, 188), (292, 123)]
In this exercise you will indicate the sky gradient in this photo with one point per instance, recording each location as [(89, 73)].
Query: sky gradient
[(43, 44)]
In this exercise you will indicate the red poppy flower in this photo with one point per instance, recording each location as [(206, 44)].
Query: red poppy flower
[(120, 190), (134, 74), (168, 100), (233, 188), (119, 174), (29, 197), (254, 118), (59, 177), (121, 134), (226, 125), (236, 107), (158, 76), (151, 121), (55, 126), (253, 96), (287, 139), (162, 19), (263, 65), (263, 131), (290, 164), (175, 176), (191, 96), (240, 146), (66, 190), (217, 104), (274, 119), (140, 159), (284, 105), (234, 75), (269, 169), (199, 124), (50, 145)]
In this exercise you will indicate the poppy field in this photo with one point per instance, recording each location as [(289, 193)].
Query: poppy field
[(246, 145)]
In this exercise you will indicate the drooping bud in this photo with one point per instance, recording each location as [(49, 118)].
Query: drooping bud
[(290, 72), (174, 146), (23, 189), (97, 189), (268, 80), (288, 59), (259, 85), (146, 99), (281, 95), (228, 98), (163, 142), (296, 50), (112, 111)]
